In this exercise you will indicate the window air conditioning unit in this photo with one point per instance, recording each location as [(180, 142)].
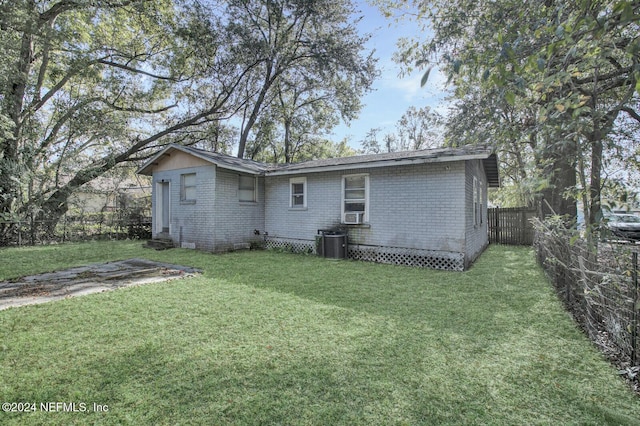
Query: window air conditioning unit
[(353, 218)]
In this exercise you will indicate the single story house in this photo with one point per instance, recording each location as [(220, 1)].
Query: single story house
[(424, 208)]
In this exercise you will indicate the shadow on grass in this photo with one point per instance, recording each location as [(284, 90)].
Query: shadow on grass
[(265, 338), (271, 391)]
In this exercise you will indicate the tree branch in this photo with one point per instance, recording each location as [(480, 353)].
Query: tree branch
[(613, 74), (135, 70), (113, 106), (631, 112), (65, 117), (40, 102), (66, 5)]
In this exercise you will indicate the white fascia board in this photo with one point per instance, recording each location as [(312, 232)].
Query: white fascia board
[(236, 168), (376, 164), (180, 148), (220, 164)]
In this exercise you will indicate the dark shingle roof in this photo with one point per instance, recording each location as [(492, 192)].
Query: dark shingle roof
[(483, 153), (228, 160), (435, 154), (221, 160)]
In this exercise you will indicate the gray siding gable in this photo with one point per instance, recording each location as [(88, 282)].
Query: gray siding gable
[(221, 160)]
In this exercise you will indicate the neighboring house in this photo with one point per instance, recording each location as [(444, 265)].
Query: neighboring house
[(105, 194), (424, 208)]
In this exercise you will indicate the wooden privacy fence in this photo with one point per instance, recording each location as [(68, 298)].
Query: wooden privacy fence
[(511, 226)]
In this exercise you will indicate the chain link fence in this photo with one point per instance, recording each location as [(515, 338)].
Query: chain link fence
[(599, 286), (75, 228)]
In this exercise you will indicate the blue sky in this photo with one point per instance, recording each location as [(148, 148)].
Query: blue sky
[(391, 95)]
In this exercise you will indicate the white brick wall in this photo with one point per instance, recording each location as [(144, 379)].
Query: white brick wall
[(322, 211), (217, 220), (418, 207), (236, 221), (476, 235), (190, 222)]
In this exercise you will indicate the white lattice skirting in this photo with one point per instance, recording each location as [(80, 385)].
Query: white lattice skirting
[(449, 261), (292, 245)]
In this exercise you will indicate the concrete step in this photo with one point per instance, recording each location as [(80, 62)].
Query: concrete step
[(160, 244)]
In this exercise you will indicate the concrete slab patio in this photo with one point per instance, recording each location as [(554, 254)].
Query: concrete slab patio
[(93, 278)]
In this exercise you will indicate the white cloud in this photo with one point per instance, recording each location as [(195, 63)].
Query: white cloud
[(409, 87)]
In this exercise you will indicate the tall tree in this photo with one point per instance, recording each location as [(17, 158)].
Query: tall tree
[(572, 67), (370, 143), (291, 41), (420, 128), (86, 85), (304, 113), (484, 116), (90, 84)]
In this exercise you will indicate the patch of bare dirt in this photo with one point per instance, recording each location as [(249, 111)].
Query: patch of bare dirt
[(87, 279)]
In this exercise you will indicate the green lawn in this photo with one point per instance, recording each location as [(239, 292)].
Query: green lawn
[(272, 338)]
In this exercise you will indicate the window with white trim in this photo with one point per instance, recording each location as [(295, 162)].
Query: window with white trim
[(298, 193), (482, 201), (355, 199), (247, 188), (477, 202), (188, 187)]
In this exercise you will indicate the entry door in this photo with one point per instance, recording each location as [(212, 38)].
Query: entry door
[(163, 207)]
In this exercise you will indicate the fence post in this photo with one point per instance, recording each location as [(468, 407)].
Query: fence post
[(33, 230), (497, 225), (634, 312)]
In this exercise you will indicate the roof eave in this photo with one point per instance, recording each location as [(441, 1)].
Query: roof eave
[(237, 169), (490, 164), (377, 164), (488, 158), (145, 169)]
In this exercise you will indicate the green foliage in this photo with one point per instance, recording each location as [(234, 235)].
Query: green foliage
[(83, 76), (85, 86), (547, 83), (308, 69), (418, 128)]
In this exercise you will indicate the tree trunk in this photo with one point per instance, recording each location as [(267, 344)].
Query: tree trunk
[(257, 106), (287, 141), (11, 164), (561, 173), (595, 184)]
